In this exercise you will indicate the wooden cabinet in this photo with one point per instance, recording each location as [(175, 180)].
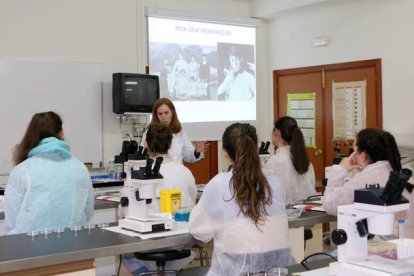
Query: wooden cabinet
[(206, 168)]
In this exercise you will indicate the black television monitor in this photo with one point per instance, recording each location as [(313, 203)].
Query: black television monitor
[(134, 93)]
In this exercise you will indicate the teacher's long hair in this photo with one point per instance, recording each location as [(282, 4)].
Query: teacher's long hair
[(42, 125), (175, 124), (250, 187)]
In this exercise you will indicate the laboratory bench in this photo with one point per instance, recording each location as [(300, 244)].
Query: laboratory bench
[(23, 252), (310, 218)]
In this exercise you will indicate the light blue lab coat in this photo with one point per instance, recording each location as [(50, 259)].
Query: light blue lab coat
[(50, 189)]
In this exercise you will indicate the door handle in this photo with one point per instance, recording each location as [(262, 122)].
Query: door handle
[(318, 152)]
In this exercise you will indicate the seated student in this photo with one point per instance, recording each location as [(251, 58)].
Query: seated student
[(48, 188), (375, 155), (176, 176), (243, 211), (291, 161)]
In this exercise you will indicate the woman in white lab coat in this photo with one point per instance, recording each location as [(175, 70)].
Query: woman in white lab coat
[(163, 112), (243, 211), (375, 155), (291, 161)]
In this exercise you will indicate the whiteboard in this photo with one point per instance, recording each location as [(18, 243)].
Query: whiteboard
[(71, 89)]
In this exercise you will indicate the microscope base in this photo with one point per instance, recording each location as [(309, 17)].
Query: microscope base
[(145, 226)]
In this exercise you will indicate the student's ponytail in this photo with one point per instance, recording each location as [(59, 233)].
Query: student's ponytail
[(300, 157), (250, 187), (394, 156), (391, 148), (293, 136)]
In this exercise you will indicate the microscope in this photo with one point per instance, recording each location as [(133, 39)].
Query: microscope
[(372, 213), (264, 152), (138, 195), (135, 161)]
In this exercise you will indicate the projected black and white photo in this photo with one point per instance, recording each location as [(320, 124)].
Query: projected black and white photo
[(186, 72), (206, 69), (236, 72)]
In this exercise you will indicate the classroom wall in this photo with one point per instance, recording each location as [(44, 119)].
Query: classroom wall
[(112, 32), (359, 30)]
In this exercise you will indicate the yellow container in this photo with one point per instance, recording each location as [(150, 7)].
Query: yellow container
[(170, 200)]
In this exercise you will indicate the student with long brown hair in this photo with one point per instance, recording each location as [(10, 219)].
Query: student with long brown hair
[(163, 112), (290, 161), (243, 211), (48, 188)]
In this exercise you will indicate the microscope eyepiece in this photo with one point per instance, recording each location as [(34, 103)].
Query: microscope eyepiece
[(157, 165), (395, 185), (148, 167)]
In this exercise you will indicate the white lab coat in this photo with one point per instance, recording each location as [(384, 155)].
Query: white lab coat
[(238, 245), (181, 148), (298, 186), (177, 176), (341, 192)]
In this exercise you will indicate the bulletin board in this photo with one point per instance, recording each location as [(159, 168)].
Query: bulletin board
[(71, 89), (302, 107), (349, 108)]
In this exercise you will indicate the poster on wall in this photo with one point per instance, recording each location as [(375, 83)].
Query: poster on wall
[(301, 106), (348, 108)]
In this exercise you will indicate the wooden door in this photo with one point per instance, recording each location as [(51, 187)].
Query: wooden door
[(296, 81), (206, 168), (362, 71), (319, 79)]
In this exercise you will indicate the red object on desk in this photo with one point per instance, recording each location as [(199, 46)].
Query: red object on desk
[(318, 208)]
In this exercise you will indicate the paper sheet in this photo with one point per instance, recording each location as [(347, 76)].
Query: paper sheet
[(114, 198), (302, 107), (179, 228), (349, 108)]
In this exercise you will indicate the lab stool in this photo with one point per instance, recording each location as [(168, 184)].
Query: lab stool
[(160, 258)]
